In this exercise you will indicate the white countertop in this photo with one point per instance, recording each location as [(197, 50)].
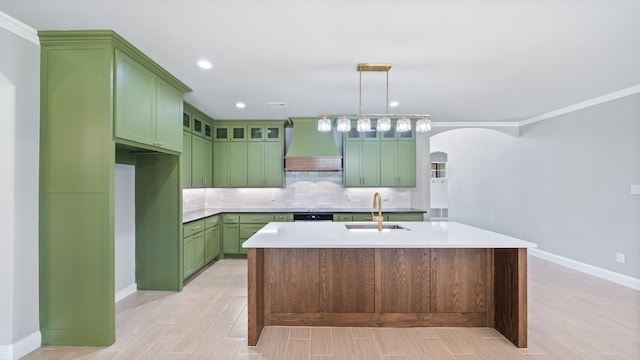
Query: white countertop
[(435, 234)]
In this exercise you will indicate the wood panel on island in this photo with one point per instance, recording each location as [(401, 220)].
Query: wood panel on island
[(410, 285)]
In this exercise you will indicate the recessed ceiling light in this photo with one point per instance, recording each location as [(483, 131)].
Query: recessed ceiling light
[(205, 64), (240, 105), (394, 103)]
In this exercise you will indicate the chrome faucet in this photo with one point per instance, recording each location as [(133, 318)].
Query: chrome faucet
[(377, 203)]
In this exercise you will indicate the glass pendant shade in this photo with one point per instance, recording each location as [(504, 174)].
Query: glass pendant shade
[(404, 124), (423, 125), (364, 124), (324, 124), (383, 124), (343, 124)]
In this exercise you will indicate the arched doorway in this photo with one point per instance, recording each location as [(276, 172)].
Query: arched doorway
[(439, 187)]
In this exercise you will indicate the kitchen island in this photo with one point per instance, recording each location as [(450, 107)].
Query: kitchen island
[(417, 274)]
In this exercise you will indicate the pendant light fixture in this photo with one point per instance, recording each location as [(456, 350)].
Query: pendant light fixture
[(403, 123)]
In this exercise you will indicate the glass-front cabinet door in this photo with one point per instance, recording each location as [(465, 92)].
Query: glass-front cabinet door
[(229, 133), (264, 133)]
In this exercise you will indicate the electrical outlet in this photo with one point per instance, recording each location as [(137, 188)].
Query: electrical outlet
[(635, 189), (621, 258)]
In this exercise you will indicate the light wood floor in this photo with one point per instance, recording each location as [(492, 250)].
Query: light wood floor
[(571, 316)]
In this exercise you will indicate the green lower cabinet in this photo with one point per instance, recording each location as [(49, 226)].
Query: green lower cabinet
[(387, 217), (405, 217), (198, 250), (231, 238), (188, 262)]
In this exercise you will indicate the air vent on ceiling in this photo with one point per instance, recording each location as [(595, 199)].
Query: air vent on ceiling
[(277, 105)]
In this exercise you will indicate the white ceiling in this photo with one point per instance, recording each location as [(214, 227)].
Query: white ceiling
[(458, 60)]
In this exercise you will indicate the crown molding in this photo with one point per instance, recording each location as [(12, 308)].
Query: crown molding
[(483, 124), (582, 105), (19, 28)]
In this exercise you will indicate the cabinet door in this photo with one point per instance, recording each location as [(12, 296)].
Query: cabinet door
[(188, 258), (208, 246), (256, 163), (388, 163), (231, 238), (370, 163), (168, 115), (216, 237), (238, 164), (352, 156), (185, 170), (201, 160), (221, 164), (135, 101), (406, 163), (198, 251), (273, 164)]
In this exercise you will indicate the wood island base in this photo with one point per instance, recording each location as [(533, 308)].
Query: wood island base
[(382, 287)]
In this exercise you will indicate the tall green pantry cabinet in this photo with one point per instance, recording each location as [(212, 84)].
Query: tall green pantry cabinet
[(99, 95)]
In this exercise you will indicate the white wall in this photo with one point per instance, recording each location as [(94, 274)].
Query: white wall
[(563, 184), (19, 145), (125, 230)]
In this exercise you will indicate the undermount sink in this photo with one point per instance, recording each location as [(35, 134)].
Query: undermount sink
[(374, 227)]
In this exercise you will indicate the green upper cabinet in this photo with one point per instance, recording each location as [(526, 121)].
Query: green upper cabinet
[(148, 109), (375, 158), (185, 163), (361, 158), (258, 132), (398, 163), (265, 164), (197, 149), (201, 162), (248, 153), (236, 131), (230, 164)]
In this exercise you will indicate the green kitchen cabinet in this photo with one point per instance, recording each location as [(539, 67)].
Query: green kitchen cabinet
[(146, 106), (189, 261), (265, 164), (87, 92), (373, 158), (230, 233), (271, 132), (212, 237), (231, 238), (201, 160), (405, 217), (248, 153), (186, 161), (230, 132), (361, 164), (202, 127), (198, 250), (198, 149), (230, 164), (398, 163), (342, 217)]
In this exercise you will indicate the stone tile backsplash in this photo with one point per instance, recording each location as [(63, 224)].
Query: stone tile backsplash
[(303, 190)]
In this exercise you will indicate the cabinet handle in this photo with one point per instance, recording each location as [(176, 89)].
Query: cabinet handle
[(195, 228)]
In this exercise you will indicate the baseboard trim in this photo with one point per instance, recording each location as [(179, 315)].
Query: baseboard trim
[(609, 275), (21, 347), (126, 291)]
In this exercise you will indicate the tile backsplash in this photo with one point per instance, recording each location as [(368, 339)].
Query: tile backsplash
[(303, 190)]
